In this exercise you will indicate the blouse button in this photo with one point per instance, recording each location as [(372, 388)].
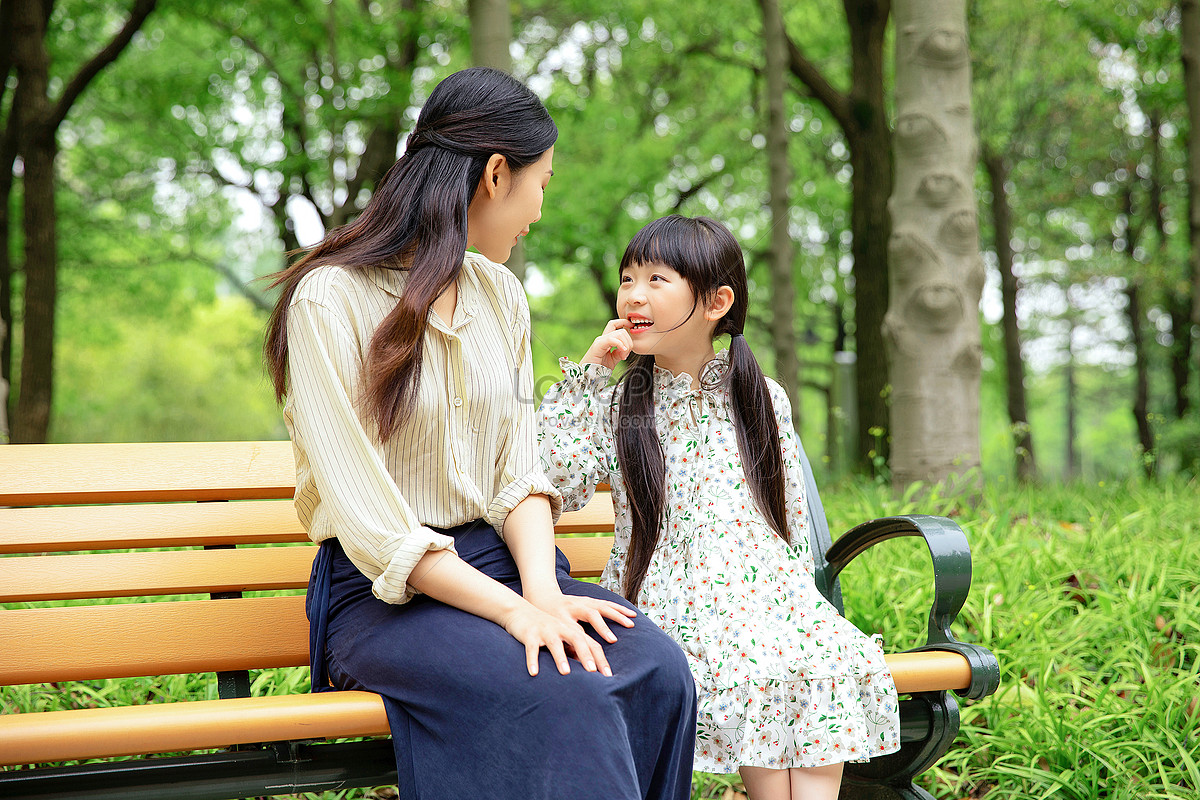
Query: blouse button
[(458, 402)]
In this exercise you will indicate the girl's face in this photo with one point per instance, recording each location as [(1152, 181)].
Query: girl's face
[(668, 322), (505, 205)]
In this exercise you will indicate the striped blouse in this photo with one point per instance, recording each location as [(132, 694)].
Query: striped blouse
[(467, 451)]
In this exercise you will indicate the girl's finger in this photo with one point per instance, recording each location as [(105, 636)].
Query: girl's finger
[(617, 324)]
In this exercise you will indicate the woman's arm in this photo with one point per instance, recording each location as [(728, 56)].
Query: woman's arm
[(359, 501), (377, 528), (444, 576), (530, 538)]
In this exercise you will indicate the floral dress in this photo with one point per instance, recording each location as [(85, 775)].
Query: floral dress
[(783, 680)]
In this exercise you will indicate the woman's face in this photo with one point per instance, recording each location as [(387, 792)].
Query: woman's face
[(505, 205)]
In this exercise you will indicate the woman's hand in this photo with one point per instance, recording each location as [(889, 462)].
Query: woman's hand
[(612, 346), (585, 609), (560, 634)]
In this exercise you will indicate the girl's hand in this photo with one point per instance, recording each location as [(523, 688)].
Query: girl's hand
[(612, 346), (535, 628)]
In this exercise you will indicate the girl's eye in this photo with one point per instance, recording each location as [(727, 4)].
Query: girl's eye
[(626, 279), (657, 278)]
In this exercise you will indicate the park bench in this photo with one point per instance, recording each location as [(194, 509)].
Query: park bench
[(127, 560)]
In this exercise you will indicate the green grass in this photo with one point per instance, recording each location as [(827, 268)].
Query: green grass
[(1088, 594)]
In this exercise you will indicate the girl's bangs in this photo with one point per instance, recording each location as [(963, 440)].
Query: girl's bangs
[(685, 245)]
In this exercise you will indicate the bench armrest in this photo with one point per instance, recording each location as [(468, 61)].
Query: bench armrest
[(951, 557)]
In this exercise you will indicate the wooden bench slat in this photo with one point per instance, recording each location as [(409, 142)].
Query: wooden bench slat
[(49, 474), (51, 530), (153, 574), (200, 725), (138, 639), (595, 517), (169, 727)]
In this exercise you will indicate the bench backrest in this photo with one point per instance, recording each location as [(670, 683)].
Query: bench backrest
[(216, 558)]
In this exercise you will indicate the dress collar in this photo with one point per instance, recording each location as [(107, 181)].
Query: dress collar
[(671, 387)]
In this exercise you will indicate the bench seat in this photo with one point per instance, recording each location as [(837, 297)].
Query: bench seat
[(208, 724), (144, 560)]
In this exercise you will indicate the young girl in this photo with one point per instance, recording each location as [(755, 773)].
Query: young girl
[(711, 537)]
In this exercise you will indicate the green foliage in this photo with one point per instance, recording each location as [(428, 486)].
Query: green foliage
[(195, 376)]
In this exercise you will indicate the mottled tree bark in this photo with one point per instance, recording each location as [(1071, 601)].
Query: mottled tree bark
[(779, 178), (1014, 364), (862, 116), (937, 274)]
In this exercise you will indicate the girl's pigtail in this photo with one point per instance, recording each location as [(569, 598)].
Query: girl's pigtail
[(758, 434), (643, 469)]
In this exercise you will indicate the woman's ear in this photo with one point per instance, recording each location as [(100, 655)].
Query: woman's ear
[(495, 172), (719, 305)]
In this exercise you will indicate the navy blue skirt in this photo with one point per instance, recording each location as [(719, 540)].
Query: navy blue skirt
[(467, 719)]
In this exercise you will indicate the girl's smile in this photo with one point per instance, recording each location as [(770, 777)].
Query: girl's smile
[(666, 318)]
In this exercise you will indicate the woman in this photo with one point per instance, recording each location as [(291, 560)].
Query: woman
[(407, 374)]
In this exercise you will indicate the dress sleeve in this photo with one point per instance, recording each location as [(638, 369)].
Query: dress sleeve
[(375, 525), (796, 503), (576, 437), (521, 473)]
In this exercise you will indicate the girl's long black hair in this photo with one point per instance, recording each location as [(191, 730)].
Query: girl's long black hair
[(416, 219), (708, 257)]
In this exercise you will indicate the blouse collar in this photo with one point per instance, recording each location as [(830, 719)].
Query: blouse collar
[(672, 387)]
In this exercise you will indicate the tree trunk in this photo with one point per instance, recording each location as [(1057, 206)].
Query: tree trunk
[(6, 270), (8, 156), (869, 140), (1018, 414), (862, 116), (1179, 308), (491, 35), (1141, 396), (937, 274), (1071, 466), (779, 178), (37, 147), (4, 437), (1190, 49)]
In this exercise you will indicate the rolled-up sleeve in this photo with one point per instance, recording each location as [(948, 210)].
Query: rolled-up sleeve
[(521, 473), (376, 527)]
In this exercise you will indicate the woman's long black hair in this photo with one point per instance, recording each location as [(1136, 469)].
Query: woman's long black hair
[(708, 257), (417, 220)]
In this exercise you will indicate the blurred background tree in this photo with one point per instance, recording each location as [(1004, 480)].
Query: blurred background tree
[(222, 137)]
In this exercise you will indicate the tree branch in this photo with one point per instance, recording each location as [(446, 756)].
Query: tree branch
[(75, 87), (837, 103), (225, 271)]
